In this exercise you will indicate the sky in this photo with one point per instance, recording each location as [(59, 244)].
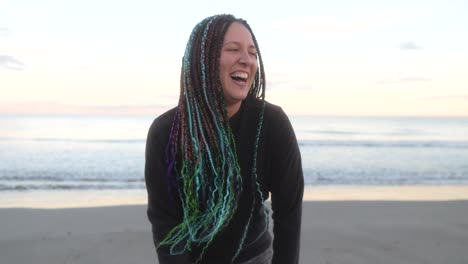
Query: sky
[(390, 58)]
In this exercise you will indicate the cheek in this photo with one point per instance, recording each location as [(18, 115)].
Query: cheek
[(255, 65), (223, 74), (221, 70), (254, 70), (223, 66)]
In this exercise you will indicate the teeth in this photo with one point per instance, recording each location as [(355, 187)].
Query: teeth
[(242, 75)]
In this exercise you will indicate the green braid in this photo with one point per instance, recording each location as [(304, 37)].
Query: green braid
[(206, 173)]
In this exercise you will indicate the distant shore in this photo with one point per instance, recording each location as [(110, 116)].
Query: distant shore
[(94, 198)]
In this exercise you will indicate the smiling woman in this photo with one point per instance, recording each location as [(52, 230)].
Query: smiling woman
[(238, 65), (213, 161)]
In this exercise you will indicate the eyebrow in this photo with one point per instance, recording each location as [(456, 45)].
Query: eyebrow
[(252, 46)]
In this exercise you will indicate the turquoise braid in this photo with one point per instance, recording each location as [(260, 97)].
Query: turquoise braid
[(202, 147)]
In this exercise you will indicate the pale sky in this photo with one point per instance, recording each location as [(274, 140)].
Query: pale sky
[(321, 57)]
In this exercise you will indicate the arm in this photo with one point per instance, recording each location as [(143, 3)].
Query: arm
[(163, 212), (287, 188)]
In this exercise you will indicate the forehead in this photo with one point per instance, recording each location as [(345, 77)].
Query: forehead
[(238, 33)]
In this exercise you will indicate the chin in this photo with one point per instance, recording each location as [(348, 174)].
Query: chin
[(240, 97)]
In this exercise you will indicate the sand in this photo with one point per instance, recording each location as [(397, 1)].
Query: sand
[(93, 198), (361, 231)]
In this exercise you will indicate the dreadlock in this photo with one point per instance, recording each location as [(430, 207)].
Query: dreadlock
[(201, 158)]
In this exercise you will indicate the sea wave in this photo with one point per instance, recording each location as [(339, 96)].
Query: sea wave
[(457, 144), (70, 186), (381, 143), (383, 177), (61, 179), (75, 140)]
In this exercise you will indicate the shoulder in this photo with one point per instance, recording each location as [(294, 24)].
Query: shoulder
[(271, 110), (273, 116), (161, 125), (276, 124)]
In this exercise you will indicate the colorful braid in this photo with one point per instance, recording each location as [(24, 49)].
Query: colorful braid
[(201, 157)]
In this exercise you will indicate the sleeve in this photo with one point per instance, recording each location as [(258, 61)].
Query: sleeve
[(163, 212), (287, 189)]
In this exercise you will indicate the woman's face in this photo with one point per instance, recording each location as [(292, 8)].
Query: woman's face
[(238, 64)]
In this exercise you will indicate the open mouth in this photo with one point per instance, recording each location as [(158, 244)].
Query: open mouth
[(240, 77)]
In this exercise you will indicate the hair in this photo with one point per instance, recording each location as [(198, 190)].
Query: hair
[(201, 159)]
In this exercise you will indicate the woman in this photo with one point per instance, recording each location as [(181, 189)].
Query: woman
[(212, 161)]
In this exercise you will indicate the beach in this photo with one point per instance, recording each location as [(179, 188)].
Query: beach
[(341, 225)]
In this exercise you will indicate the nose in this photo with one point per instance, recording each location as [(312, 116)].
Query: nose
[(246, 58)]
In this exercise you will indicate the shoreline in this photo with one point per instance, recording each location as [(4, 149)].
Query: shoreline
[(386, 193), (98, 198)]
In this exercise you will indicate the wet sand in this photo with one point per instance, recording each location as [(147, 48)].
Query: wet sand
[(361, 231)]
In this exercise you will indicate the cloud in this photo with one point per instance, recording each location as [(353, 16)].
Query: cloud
[(328, 26), (129, 108), (276, 84), (447, 97), (288, 85), (415, 79), (3, 31), (410, 46), (42, 107), (11, 63), (280, 81), (303, 87), (404, 80)]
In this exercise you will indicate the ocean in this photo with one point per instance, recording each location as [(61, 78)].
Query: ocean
[(48, 153)]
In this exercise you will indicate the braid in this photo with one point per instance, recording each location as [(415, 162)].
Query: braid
[(201, 157)]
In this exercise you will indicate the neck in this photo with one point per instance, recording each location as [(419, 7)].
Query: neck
[(232, 109)]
